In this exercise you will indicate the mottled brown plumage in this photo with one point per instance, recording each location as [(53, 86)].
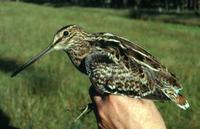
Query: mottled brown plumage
[(116, 65)]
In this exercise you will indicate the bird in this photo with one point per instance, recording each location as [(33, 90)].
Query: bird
[(115, 65)]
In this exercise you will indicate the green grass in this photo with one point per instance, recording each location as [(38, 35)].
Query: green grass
[(39, 97)]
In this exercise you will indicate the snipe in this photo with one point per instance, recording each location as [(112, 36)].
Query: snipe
[(115, 65)]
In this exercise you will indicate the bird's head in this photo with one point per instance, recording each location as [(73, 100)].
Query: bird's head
[(65, 37), (63, 40)]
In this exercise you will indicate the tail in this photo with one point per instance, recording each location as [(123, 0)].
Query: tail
[(174, 96), (181, 102)]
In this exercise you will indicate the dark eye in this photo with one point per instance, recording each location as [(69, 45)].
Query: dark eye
[(65, 33)]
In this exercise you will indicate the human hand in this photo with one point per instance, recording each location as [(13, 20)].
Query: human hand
[(121, 112)]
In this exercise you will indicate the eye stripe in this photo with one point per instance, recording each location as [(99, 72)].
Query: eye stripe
[(58, 40)]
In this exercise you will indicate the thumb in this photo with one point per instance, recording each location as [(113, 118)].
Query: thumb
[(94, 95)]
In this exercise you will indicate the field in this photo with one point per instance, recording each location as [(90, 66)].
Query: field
[(42, 95)]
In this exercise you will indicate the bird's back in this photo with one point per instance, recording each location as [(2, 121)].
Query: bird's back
[(142, 65)]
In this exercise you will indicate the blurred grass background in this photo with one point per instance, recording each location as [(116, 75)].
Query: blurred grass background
[(39, 98)]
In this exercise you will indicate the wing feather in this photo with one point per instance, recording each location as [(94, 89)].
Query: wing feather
[(130, 53), (131, 71)]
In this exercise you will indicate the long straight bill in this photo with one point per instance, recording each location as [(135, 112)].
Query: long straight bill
[(32, 60)]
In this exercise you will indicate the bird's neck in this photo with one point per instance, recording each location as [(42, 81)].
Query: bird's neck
[(77, 54)]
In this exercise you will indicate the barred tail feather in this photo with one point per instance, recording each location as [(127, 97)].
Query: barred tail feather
[(181, 102), (174, 96)]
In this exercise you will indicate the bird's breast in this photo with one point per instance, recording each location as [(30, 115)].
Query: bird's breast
[(77, 56)]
